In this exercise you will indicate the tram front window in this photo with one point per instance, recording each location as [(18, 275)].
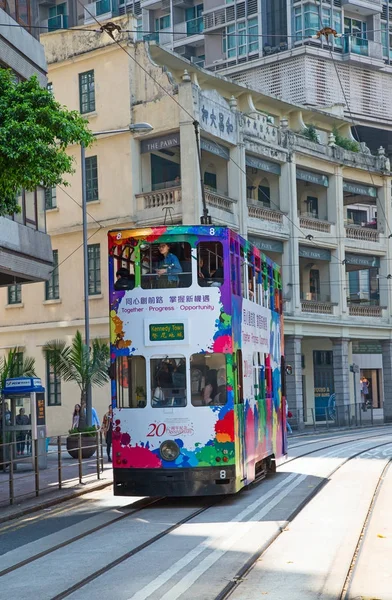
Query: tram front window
[(131, 381), (208, 379), (168, 381), (166, 265)]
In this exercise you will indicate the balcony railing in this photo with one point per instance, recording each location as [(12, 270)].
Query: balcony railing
[(315, 224), (261, 212), (194, 26), (58, 22), (317, 307), (219, 200), (356, 45), (359, 310), (365, 234), (160, 198)]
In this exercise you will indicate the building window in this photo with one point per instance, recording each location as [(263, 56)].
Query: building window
[(50, 198), (194, 19), (92, 178), (242, 41), (162, 23), (94, 269), (58, 18), (52, 286), (87, 92), (53, 384), (19, 10), (15, 294)]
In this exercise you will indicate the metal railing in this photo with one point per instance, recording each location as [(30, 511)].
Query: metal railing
[(336, 417), (67, 464)]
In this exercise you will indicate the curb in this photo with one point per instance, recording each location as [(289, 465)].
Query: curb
[(53, 501)]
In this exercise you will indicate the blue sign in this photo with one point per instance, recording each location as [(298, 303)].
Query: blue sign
[(22, 385)]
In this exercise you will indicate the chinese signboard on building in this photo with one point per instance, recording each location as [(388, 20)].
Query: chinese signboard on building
[(215, 116), (259, 126)]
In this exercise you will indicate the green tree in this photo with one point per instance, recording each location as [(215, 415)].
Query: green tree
[(78, 363), (35, 130), (11, 366)]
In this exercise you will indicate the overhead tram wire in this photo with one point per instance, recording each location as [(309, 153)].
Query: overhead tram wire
[(350, 112), (110, 33), (168, 32)]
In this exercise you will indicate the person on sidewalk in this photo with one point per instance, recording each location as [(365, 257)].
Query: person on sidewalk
[(94, 417), (107, 428), (21, 419), (76, 417)]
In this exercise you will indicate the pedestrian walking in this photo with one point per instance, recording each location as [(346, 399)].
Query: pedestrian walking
[(364, 392), (107, 428)]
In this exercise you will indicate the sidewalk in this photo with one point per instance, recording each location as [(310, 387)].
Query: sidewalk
[(24, 483)]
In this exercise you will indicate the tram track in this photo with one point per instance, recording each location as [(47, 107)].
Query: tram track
[(347, 441), (353, 564), (144, 504), (248, 566)]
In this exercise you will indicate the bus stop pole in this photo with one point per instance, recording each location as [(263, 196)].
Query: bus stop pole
[(86, 290)]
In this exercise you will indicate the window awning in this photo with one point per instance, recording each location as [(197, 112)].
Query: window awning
[(364, 261), (263, 165)]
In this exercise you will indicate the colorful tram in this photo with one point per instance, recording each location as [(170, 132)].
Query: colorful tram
[(196, 361)]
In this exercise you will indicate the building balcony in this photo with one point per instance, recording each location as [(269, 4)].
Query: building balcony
[(364, 234), (58, 22), (366, 310), (25, 253), (152, 207), (315, 224), (266, 220), (220, 16), (363, 7), (354, 46), (104, 9), (317, 306), (219, 200)]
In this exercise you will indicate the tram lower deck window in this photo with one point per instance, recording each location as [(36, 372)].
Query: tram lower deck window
[(131, 381), (168, 381), (208, 379)]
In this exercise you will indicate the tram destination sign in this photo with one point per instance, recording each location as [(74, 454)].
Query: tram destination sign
[(166, 332)]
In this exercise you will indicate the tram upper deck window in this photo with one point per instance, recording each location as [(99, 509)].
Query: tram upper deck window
[(168, 381), (208, 379), (131, 381), (210, 264), (166, 265), (124, 266)]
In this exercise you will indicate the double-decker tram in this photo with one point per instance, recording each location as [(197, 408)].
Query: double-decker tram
[(197, 361)]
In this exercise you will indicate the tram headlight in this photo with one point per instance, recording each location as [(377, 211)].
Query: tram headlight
[(169, 450)]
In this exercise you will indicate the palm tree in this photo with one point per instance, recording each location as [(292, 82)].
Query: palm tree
[(12, 366), (85, 366)]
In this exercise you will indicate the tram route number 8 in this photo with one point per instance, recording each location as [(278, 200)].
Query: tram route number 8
[(156, 429)]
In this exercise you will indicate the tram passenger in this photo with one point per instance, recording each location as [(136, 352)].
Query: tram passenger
[(217, 275), (168, 269), (210, 389), (203, 273), (163, 387), (125, 280)]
